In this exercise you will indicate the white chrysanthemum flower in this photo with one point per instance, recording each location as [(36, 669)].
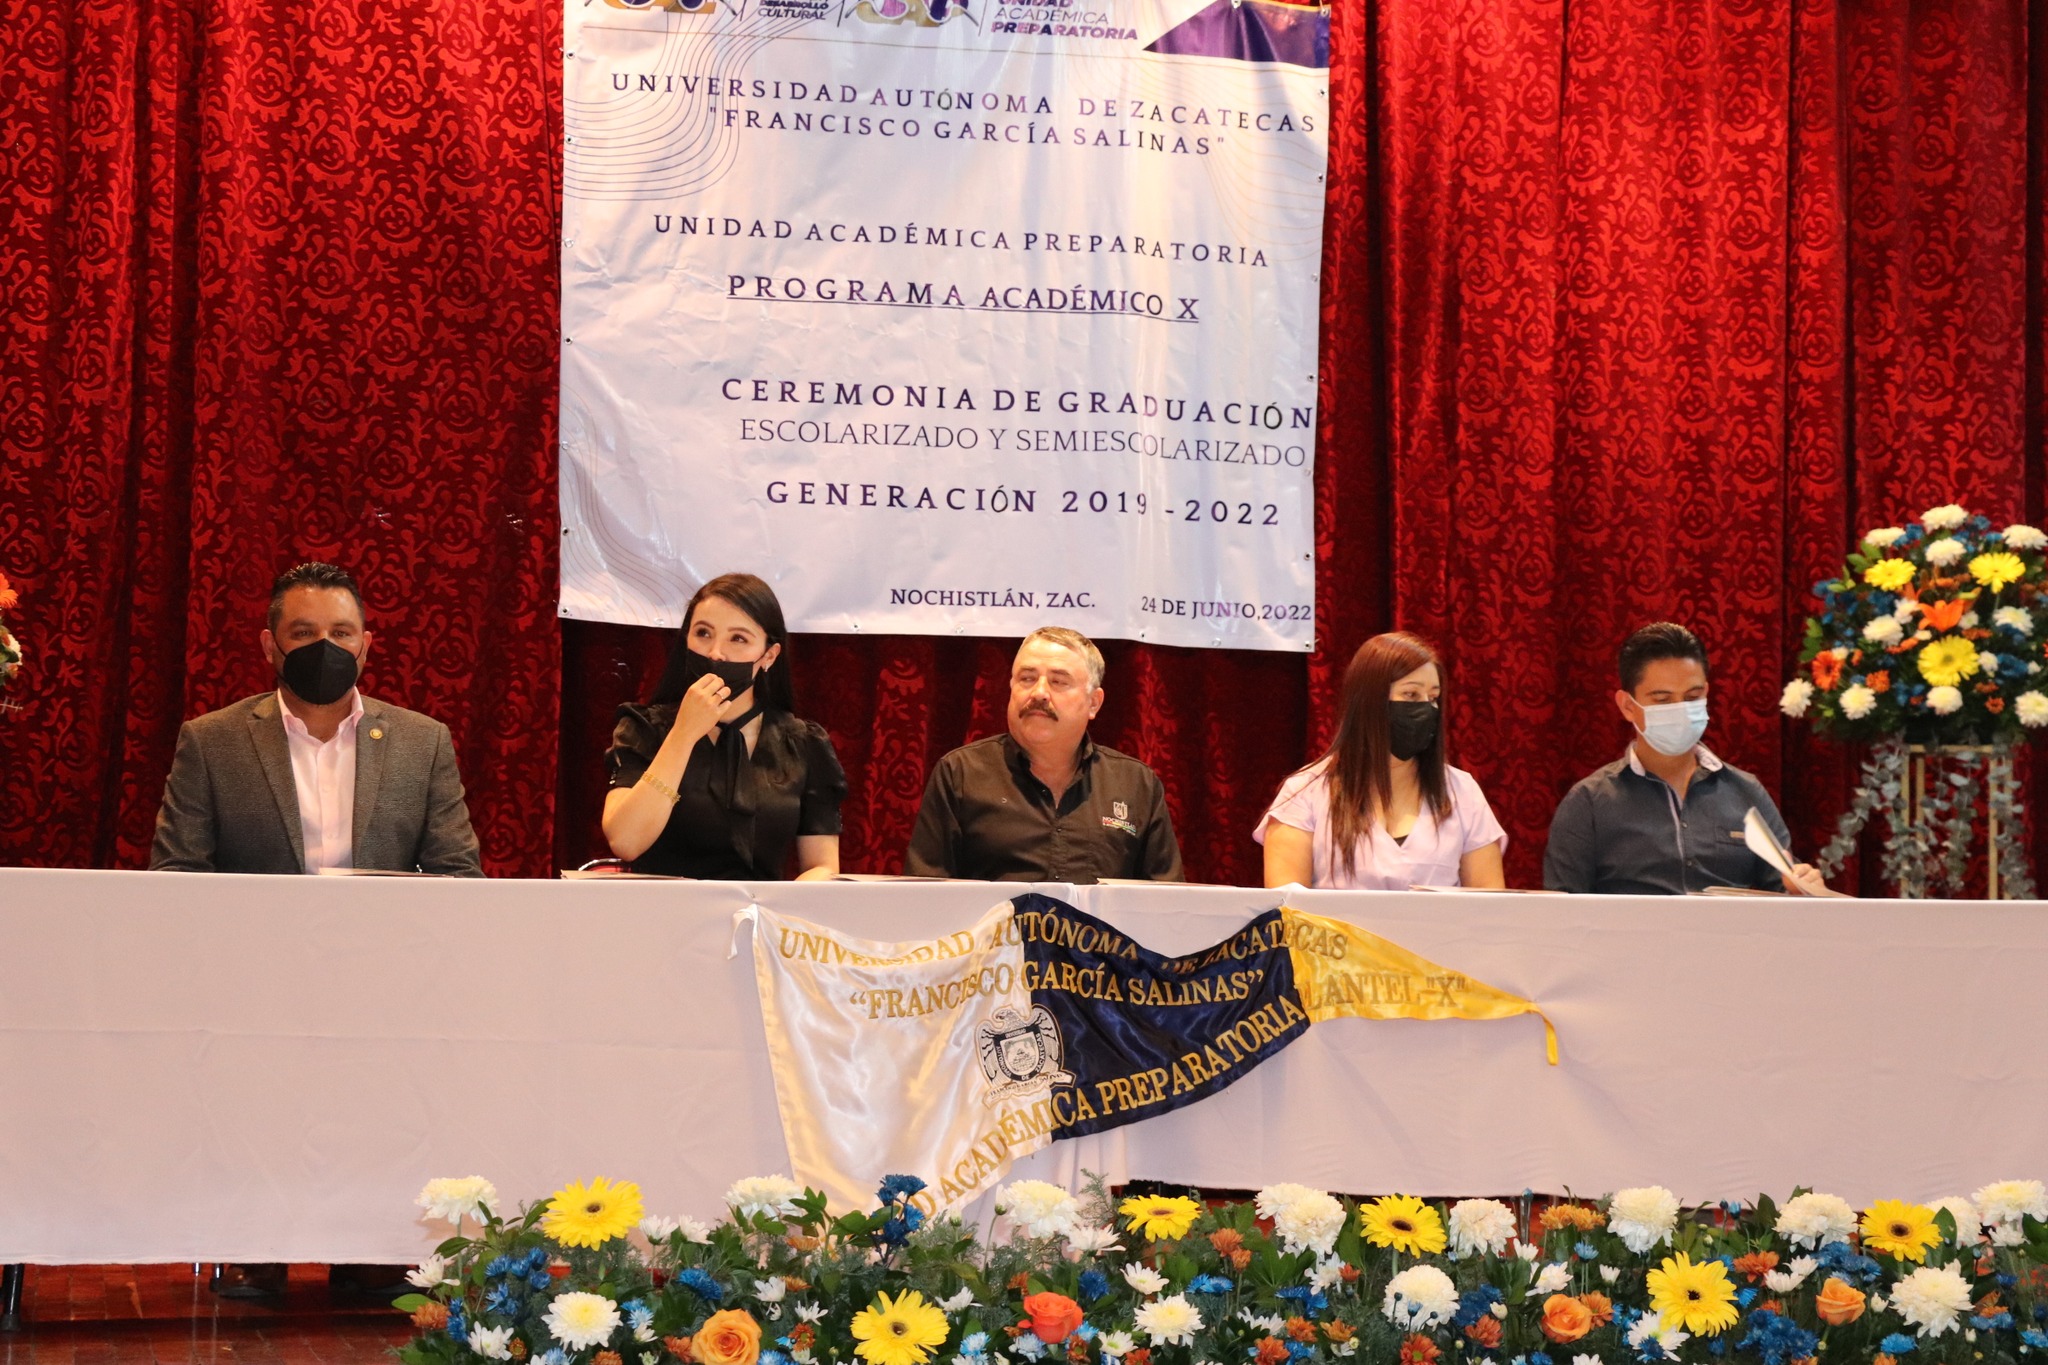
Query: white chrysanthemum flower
[(956, 1302), (431, 1273), (1780, 1281), (1170, 1321), (658, 1229), (809, 1312), (2016, 619), (1326, 1275), (1527, 1252), (1306, 1219), (1884, 535), (2008, 1201), (1272, 1324), (1987, 661), (492, 1343), (1583, 1359), (1653, 1340), (1884, 630), (2020, 536), (1084, 1241), (1944, 700), (455, 1198), (1797, 696), (649, 1357), (1815, 1220), (1642, 1217), (774, 1195), (1945, 552), (1877, 1303), (1903, 611), (771, 1290), (1346, 1348), (1969, 620), (1857, 701), (1115, 1344), (1480, 1227), (1039, 1208), (1609, 1274), (2031, 708), (1946, 517), (1932, 1298), (1419, 1298), (1144, 1279), (1554, 1279), (1969, 1227), (579, 1320)]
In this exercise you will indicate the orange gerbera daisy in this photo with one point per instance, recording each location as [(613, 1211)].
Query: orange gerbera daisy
[(1827, 670), (1419, 1350), (1880, 681), (1757, 1264)]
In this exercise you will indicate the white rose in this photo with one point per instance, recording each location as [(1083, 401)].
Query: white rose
[(2022, 537), (2015, 619), (1946, 517), (1944, 701), (1798, 695), (1944, 552), (1858, 701), (1883, 536), (1884, 630)]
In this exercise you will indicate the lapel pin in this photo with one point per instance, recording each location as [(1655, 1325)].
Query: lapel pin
[(376, 734)]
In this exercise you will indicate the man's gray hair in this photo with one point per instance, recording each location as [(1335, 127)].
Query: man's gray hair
[(1076, 641)]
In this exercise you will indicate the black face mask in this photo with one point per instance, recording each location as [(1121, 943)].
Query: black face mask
[(737, 676), (1411, 727), (320, 673)]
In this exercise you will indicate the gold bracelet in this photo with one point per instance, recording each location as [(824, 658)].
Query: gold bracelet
[(650, 780)]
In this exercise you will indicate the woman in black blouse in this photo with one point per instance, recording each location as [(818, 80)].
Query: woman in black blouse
[(715, 778)]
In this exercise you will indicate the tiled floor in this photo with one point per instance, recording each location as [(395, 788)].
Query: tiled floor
[(165, 1315)]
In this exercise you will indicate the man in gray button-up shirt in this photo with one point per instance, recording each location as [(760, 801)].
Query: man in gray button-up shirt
[(1665, 818)]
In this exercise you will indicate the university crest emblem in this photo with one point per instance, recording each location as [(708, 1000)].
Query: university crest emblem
[(1020, 1054)]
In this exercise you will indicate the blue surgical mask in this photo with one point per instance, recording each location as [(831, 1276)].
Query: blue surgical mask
[(1675, 727)]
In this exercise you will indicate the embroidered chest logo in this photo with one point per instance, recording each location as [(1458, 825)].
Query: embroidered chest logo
[(1020, 1055), (1120, 819)]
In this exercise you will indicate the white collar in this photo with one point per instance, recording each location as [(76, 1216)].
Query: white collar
[(1701, 754)]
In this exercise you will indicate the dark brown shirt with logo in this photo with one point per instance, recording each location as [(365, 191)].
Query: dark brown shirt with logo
[(986, 817)]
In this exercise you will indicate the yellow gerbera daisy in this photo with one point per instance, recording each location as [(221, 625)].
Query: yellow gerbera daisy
[(1698, 1298), (1889, 575), (1997, 569), (1160, 1217), (1404, 1223), (902, 1331), (1947, 662), (1899, 1229), (586, 1216)]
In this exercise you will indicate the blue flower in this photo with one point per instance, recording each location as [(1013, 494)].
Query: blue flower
[(539, 1279), (1209, 1284), (554, 1355), (499, 1265), (2007, 1281), (535, 1262), (1538, 1358), (501, 1301), (1837, 1259), (896, 1187), (1311, 1301), (774, 1358), (1086, 1331), (1996, 1322), (1586, 1251), (1745, 1297), (1300, 1350), (1777, 1339), (707, 1288), (638, 1314), (1897, 1344), (458, 1324), (974, 1344), (1094, 1284), (2037, 1340), (1475, 1304)]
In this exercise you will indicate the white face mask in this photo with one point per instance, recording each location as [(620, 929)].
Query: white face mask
[(1675, 727)]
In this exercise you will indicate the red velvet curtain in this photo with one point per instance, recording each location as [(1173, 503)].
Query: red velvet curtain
[(1630, 310)]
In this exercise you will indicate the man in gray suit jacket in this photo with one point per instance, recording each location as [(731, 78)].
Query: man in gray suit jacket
[(314, 775)]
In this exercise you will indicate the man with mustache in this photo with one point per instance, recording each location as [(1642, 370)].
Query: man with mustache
[(1044, 803)]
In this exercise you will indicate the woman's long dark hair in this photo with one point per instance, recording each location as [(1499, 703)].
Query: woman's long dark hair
[(754, 597), (1361, 759)]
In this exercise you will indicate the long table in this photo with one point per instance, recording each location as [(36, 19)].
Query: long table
[(268, 1068)]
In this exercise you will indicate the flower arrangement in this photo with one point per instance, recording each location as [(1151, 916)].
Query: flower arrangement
[(1297, 1277), (1937, 629), (10, 644)]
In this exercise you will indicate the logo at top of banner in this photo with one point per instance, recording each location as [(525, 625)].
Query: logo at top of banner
[(1020, 1055), (1253, 31), (920, 13), (700, 8)]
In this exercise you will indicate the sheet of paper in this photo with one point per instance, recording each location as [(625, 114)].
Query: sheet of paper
[(1757, 835)]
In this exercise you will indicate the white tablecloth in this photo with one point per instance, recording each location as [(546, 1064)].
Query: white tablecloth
[(268, 1068)]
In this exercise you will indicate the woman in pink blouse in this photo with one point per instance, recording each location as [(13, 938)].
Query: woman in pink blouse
[(1382, 810)]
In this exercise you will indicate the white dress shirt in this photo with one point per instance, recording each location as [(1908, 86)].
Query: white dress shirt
[(325, 776)]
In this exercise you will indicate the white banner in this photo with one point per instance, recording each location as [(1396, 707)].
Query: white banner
[(945, 316)]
